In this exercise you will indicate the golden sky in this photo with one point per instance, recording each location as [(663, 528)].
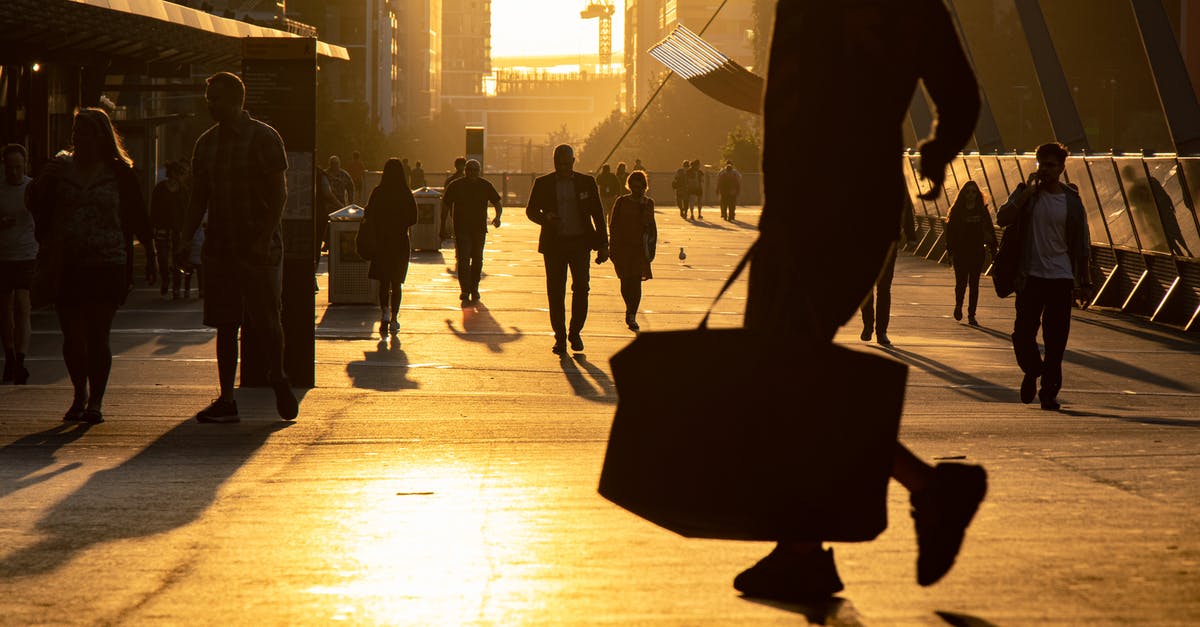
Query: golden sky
[(549, 27)]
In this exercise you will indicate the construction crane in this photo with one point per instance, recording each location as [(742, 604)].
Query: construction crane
[(602, 10)]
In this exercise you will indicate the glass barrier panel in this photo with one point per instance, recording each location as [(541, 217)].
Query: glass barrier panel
[(910, 181), (959, 168), (1027, 165), (1183, 236), (1143, 207), (995, 176), (951, 186), (1077, 173), (1012, 172), (1112, 202)]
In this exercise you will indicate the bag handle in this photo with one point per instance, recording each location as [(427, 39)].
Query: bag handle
[(737, 272)]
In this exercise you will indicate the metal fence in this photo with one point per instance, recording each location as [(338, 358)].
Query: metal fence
[(1141, 211)]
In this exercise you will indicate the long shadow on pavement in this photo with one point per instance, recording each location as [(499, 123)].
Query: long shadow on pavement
[(480, 326), (21, 460), (1170, 338), (1145, 420), (602, 391), (384, 369), (167, 485), (965, 384), (1100, 363), (835, 611)]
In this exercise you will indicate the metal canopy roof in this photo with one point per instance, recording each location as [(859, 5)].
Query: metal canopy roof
[(709, 70), (150, 31)]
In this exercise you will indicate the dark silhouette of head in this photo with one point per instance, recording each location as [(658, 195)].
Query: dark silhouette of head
[(225, 95), (564, 159), (14, 157), (1054, 149), (95, 137), (459, 164), (637, 178), (393, 175), (969, 199), (472, 169), (604, 169)]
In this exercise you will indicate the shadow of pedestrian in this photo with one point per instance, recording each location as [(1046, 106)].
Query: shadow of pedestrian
[(961, 382), (171, 343), (165, 486), (21, 460), (427, 257), (1170, 338), (481, 327), (1100, 363), (832, 611), (590, 382), (385, 369), (963, 620), (1145, 420), (709, 224)]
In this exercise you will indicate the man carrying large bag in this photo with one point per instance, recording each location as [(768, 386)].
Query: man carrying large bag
[(843, 406)]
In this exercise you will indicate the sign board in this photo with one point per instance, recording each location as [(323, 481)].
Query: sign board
[(281, 89)]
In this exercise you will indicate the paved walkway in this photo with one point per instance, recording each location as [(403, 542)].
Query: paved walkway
[(450, 478)]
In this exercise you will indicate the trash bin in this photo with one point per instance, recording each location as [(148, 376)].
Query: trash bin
[(348, 282), (425, 235)]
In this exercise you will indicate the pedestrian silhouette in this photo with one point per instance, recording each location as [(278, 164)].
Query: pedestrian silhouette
[(969, 232), (389, 214), (633, 236), (866, 57)]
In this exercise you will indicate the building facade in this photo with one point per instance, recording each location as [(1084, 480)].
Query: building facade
[(466, 46)]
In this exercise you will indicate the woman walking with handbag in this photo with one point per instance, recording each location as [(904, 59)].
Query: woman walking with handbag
[(968, 231), (383, 235), (633, 235), (88, 207)]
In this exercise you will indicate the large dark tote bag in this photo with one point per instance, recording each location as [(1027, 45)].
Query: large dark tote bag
[(728, 434)]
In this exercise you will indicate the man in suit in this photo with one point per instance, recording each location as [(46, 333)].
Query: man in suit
[(567, 205)]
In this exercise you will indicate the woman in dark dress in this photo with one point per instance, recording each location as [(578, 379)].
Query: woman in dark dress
[(88, 207), (632, 236), (968, 231), (390, 212)]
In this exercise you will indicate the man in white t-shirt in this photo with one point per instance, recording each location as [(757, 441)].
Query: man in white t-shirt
[(1053, 271)]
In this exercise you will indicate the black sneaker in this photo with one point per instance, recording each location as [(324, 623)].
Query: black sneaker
[(865, 335), (560, 347), (576, 342), (942, 513), (285, 399), (219, 411), (784, 576), (1028, 388), (91, 416)]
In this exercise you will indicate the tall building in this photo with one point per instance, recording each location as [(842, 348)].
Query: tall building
[(420, 66), (733, 32), (466, 46), (395, 51)]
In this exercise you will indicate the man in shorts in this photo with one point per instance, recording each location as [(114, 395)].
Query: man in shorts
[(239, 168)]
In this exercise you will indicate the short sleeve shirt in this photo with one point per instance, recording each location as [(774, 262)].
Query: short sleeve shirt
[(470, 199), (1048, 230), (237, 164)]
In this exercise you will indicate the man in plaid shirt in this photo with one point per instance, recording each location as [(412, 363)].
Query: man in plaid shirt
[(239, 168)]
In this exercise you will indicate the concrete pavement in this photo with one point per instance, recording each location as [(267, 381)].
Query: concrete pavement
[(450, 478)]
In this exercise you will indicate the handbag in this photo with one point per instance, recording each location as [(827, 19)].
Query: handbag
[(720, 434), (365, 242)]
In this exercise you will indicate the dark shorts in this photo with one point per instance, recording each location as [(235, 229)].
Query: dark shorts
[(237, 291), (16, 275)]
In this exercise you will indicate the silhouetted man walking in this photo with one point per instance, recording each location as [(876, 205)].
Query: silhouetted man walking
[(239, 168), (1053, 267), (467, 198), (567, 205)]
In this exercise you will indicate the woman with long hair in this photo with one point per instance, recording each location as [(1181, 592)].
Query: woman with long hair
[(88, 207), (969, 231), (390, 212), (632, 237)]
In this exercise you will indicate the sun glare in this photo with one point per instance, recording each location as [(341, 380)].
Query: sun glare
[(535, 28)]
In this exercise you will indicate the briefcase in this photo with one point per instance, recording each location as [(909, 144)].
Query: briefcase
[(725, 434)]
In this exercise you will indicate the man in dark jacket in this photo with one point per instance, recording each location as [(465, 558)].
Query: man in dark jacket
[(567, 205), (1053, 268)]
